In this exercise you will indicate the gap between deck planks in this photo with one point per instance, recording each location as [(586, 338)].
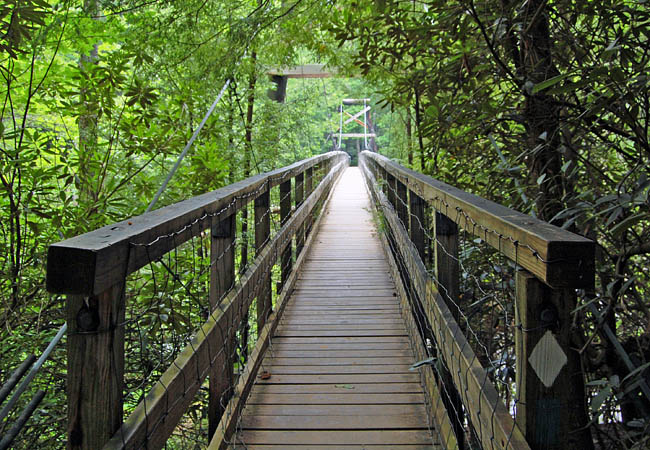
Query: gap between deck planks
[(340, 356)]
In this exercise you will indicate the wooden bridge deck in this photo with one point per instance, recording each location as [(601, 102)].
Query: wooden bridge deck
[(339, 359)]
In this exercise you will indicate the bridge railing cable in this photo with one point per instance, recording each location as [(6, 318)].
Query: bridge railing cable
[(491, 292), (171, 310)]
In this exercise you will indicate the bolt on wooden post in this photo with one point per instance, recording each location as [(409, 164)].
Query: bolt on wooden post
[(95, 367), (222, 277), (262, 234)]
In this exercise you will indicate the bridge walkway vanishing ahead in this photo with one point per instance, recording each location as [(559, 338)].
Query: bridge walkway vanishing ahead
[(339, 360)]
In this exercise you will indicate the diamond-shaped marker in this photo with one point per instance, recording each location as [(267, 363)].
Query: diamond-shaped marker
[(547, 359)]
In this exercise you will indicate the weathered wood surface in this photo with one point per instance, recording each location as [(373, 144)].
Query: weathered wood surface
[(556, 256), (304, 71), (91, 263), (339, 359), (490, 417), (155, 418), (438, 415)]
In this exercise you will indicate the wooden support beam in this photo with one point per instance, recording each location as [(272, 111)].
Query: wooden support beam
[(262, 235), (222, 279), (95, 367)]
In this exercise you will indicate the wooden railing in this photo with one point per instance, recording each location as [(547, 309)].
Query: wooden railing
[(92, 270), (422, 217)]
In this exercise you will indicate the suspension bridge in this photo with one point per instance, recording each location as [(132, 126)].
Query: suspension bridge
[(324, 306)]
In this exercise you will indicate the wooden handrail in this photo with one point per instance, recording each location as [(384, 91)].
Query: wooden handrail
[(93, 262), (155, 418), (92, 270), (557, 257)]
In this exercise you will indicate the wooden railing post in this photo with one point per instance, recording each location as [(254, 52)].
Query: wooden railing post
[(447, 265), (309, 188), (551, 404), (222, 277), (95, 377), (391, 185), (262, 234), (299, 195), (416, 228), (447, 270), (402, 203), (286, 262)]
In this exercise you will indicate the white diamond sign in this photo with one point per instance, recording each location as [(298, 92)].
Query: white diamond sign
[(547, 359)]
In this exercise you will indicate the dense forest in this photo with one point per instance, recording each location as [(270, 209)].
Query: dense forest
[(540, 106)]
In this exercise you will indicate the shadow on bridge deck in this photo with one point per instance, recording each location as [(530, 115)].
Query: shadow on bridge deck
[(339, 360)]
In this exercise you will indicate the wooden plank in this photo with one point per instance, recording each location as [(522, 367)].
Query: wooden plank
[(297, 369), (384, 313), (347, 362), (345, 389), (341, 378), (93, 262), (336, 293), (335, 333), (386, 438), (356, 308), (336, 410), (320, 421), (556, 256), (337, 340), (350, 347), (329, 447), (336, 399), (278, 353)]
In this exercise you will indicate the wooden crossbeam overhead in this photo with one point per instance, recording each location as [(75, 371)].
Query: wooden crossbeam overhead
[(304, 71), (357, 135), (355, 101)]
